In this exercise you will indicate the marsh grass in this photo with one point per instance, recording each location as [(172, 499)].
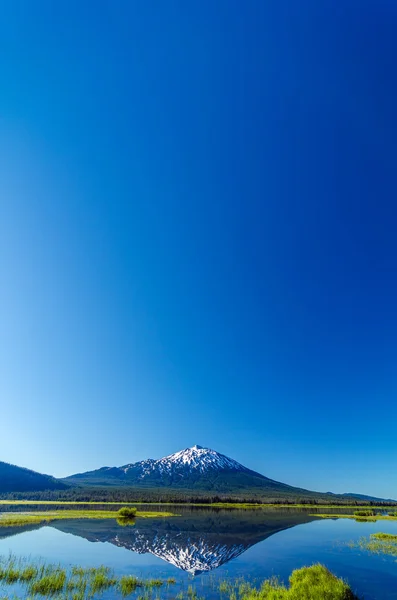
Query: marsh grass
[(50, 584), (376, 517), (74, 584), (18, 520), (377, 543), (128, 584), (308, 583), (28, 574), (11, 575), (191, 592), (101, 579), (225, 587), (78, 583), (385, 536), (12, 571), (152, 583)]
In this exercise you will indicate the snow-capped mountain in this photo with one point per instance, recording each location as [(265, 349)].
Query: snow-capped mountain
[(191, 460), (194, 469)]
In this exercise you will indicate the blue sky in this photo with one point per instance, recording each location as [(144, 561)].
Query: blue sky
[(198, 236)]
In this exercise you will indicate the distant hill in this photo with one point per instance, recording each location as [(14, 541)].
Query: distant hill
[(195, 469), (361, 497), (18, 479)]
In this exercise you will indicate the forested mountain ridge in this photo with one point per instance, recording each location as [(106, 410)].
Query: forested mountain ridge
[(19, 479)]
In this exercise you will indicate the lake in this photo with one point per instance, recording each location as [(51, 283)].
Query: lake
[(204, 546)]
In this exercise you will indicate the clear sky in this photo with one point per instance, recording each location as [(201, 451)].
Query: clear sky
[(198, 236)]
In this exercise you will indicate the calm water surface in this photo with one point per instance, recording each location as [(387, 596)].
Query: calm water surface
[(202, 546)]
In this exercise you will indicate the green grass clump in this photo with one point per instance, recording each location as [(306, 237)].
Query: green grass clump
[(78, 571), (50, 584), (127, 512), (384, 536), (128, 584), (12, 571), (10, 575), (101, 579), (308, 583), (76, 584), (364, 513), (377, 543), (28, 573), (126, 516), (225, 587), (79, 595), (151, 583)]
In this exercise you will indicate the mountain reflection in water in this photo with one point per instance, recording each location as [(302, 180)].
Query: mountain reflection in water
[(196, 541)]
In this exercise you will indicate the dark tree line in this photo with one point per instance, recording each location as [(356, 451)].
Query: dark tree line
[(121, 495)]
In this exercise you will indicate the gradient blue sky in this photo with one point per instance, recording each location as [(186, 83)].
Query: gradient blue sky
[(198, 236)]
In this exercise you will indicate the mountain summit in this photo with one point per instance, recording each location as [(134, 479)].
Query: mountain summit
[(190, 460)]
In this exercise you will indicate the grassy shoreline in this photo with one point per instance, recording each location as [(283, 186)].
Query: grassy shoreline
[(231, 505), (36, 518), (372, 518), (51, 580)]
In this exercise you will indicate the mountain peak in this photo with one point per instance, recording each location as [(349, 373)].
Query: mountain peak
[(195, 459), (198, 459)]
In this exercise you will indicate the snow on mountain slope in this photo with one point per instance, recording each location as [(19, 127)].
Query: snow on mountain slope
[(191, 460)]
